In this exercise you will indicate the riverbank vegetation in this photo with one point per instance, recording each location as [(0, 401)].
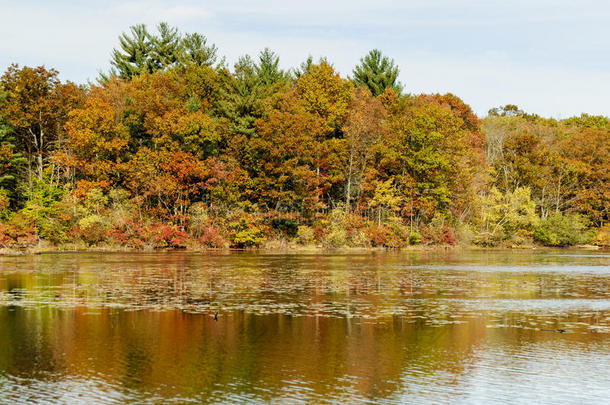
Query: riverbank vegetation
[(173, 148)]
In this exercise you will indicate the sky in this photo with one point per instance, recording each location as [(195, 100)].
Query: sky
[(550, 57)]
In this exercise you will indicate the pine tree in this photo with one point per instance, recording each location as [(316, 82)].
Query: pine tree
[(196, 51), (10, 161), (134, 56), (267, 69), (377, 72), (166, 47), (242, 103)]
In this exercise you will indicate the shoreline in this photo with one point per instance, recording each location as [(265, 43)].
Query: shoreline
[(304, 249)]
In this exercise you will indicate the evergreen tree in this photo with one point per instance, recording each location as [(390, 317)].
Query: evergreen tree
[(303, 68), (134, 56), (267, 69), (11, 161), (141, 52), (377, 72), (166, 47), (196, 51), (242, 102)]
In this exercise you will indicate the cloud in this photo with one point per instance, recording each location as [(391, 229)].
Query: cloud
[(155, 11), (549, 56)]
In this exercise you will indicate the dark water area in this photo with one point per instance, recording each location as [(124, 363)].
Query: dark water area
[(381, 327)]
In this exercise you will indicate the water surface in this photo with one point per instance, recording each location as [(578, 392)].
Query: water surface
[(393, 327)]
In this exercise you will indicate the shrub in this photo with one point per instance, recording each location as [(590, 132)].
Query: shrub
[(163, 235), (246, 231), (603, 236), (379, 235), (5, 238), (45, 209), (22, 230), (286, 225), (305, 235), (211, 237), (128, 233), (562, 230), (415, 238), (91, 229), (336, 237), (439, 231), (337, 233)]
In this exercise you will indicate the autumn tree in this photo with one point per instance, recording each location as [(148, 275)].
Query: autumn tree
[(37, 106), (365, 126)]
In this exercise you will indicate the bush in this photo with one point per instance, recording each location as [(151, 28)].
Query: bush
[(286, 225), (603, 236), (91, 229), (246, 231), (22, 230), (562, 230), (438, 231), (46, 210), (305, 235), (379, 235), (337, 228), (415, 238), (163, 235)]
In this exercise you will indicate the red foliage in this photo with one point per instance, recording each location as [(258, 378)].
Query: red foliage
[(211, 237), (379, 235), (163, 235)]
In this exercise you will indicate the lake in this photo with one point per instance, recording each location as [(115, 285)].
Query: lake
[(441, 326)]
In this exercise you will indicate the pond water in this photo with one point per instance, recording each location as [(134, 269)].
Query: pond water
[(380, 327)]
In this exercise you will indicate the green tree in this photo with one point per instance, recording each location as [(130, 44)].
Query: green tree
[(241, 100), (134, 56), (167, 47), (196, 51), (377, 72), (267, 69), (142, 52), (562, 230), (10, 160)]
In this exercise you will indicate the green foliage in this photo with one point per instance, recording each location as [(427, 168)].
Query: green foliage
[(504, 215), (242, 97), (267, 69), (44, 207), (562, 230), (305, 235), (134, 56), (415, 238), (602, 236), (11, 161), (196, 51), (246, 232), (377, 73), (588, 121), (142, 52)]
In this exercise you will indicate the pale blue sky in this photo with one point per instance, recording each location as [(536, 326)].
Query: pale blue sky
[(550, 57)]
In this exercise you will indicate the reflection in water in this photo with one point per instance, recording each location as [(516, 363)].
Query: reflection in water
[(382, 328)]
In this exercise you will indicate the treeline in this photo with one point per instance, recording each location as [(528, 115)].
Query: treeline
[(172, 148)]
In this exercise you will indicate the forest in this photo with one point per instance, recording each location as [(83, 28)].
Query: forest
[(172, 148)]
